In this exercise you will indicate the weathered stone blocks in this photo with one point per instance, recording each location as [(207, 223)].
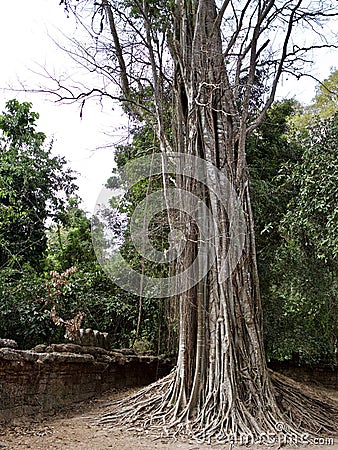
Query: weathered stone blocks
[(49, 377), (8, 343)]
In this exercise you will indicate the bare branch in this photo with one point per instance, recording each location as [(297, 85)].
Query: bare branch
[(118, 49)]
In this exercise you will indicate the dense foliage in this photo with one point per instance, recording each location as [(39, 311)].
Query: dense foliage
[(34, 187), (45, 232), (294, 179), (294, 176)]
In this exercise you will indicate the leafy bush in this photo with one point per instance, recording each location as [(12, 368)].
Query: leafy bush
[(24, 315)]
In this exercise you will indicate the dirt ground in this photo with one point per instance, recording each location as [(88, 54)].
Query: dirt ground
[(73, 429)]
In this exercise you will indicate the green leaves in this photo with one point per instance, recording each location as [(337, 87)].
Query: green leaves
[(294, 174), (23, 313), (312, 215), (18, 124), (34, 186)]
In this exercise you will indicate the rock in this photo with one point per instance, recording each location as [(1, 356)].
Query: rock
[(90, 338), (64, 348), (148, 353), (20, 356), (124, 351), (8, 343), (65, 358), (41, 348)]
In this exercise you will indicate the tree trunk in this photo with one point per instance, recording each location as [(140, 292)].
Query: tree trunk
[(222, 382)]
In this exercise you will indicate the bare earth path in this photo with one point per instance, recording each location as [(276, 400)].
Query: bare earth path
[(73, 430)]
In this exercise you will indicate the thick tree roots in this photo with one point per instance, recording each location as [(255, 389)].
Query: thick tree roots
[(314, 413), (298, 416)]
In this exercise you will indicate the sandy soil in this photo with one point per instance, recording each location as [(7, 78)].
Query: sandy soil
[(73, 429)]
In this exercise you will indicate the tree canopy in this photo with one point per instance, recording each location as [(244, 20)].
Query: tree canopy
[(34, 186)]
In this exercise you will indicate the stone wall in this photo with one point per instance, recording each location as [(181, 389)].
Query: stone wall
[(50, 377), (47, 378)]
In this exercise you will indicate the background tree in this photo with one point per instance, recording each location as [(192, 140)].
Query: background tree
[(325, 102), (314, 177), (310, 229), (323, 105), (34, 186), (90, 290), (297, 285), (44, 230)]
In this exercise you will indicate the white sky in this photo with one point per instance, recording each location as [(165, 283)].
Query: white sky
[(25, 45)]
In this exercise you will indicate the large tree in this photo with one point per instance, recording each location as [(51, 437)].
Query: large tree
[(205, 73)]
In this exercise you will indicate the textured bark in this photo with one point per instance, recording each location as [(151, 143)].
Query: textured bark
[(222, 381)]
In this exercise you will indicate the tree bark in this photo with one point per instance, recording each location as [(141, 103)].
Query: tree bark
[(222, 382)]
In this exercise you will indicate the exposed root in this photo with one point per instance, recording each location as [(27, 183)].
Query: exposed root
[(301, 410), (313, 412)]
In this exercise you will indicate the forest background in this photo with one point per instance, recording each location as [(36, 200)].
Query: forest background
[(47, 257), (292, 159)]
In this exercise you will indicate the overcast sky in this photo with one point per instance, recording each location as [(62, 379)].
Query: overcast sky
[(25, 45)]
